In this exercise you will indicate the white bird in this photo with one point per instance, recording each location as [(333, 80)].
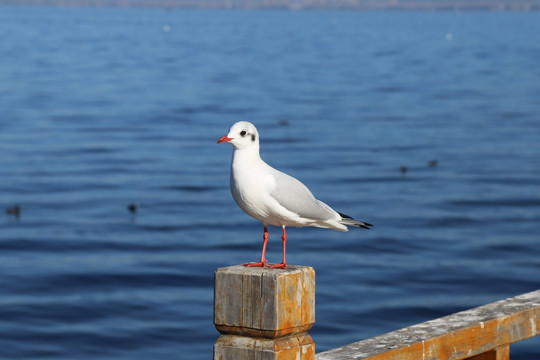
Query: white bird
[(273, 197)]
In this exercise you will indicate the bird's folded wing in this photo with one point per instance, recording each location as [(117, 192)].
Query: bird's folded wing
[(296, 197)]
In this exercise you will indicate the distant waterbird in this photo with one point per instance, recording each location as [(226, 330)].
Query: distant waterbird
[(273, 197), (133, 207), (283, 122), (15, 210), (403, 169)]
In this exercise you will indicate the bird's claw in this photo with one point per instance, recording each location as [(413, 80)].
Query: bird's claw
[(261, 263), (278, 266), (265, 264)]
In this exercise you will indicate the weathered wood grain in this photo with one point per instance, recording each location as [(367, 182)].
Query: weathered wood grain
[(264, 302), (290, 347), (482, 333)]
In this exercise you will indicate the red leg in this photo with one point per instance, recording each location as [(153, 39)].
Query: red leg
[(283, 264), (263, 260)]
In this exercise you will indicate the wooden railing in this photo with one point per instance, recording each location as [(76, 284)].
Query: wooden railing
[(482, 333), (266, 314)]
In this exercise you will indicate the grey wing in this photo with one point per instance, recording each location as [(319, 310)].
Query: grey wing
[(296, 197)]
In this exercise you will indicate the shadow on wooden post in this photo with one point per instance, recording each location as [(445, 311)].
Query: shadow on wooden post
[(264, 313), (501, 353)]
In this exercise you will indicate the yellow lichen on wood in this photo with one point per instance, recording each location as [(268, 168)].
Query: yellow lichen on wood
[(264, 302)]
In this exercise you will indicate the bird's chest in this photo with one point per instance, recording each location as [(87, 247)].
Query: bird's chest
[(250, 190)]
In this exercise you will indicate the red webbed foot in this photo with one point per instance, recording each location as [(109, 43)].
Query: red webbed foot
[(256, 264), (278, 266)]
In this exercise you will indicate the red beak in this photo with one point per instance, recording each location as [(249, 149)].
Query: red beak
[(223, 139)]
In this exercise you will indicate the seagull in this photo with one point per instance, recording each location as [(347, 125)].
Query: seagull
[(273, 197)]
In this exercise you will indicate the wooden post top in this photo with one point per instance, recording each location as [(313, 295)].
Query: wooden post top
[(264, 302)]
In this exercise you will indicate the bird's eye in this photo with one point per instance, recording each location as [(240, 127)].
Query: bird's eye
[(243, 133)]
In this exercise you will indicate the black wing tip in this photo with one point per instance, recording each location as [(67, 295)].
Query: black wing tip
[(345, 216), (365, 226), (362, 224)]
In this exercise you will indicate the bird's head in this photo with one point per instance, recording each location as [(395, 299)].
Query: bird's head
[(242, 135)]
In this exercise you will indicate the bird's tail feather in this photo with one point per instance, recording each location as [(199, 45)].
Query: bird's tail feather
[(347, 220)]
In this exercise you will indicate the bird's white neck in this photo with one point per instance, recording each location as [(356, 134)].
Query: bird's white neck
[(246, 156)]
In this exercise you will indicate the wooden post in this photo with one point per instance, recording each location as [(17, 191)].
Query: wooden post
[(264, 313)]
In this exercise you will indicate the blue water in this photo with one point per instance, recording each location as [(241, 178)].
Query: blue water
[(101, 108)]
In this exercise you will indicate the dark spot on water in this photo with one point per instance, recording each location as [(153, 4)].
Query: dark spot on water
[(403, 170), (283, 122), (14, 210)]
